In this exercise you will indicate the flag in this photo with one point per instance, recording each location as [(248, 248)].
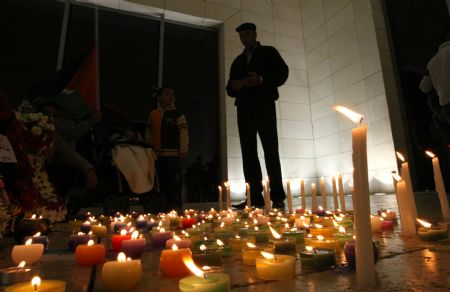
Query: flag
[(85, 80)]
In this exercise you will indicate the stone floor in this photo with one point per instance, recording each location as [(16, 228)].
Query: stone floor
[(405, 264)]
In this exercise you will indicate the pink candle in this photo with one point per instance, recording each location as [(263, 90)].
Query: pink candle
[(180, 242), (159, 237), (135, 246)]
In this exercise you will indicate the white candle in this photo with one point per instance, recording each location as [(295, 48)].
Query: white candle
[(303, 194), (266, 187), (220, 198), (375, 221), (341, 193), (365, 266), (335, 196), (28, 252), (227, 188), (324, 193), (407, 218), (289, 196), (411, 202), (314, 197), (440, 187), (247, 192)]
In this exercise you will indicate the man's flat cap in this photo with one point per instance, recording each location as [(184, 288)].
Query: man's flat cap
[(246, 26)]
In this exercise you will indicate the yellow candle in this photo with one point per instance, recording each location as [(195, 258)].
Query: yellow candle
[(440, 187), (319, 230), (341, 193), (303, 194), (121, 275), (335, 197), (314, 196), (321, 242), (37, 285), (99, 230), (324, 193), (275, 266), (365, 266), (249, 254), (289, 196)]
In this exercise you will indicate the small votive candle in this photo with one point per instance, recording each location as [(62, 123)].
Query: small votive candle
[(171, 261), (249, 254), (121, 275), (318, 258), (37, 285), (275, 266), (76, 239), (159, 237), (90, 254), (117, 240), (180, 242), (99, 230), (429, 233), (207, 257), (321, 242), (134, 246), (38, 238), (14, 275), (28, 252)]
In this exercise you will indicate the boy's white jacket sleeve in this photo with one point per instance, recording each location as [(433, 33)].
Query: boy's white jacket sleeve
[(183, 132)]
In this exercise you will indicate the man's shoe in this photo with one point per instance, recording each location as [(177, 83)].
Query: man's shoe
[(240, 206), (278, 205)]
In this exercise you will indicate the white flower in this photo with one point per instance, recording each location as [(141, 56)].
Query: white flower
[(36, 130)]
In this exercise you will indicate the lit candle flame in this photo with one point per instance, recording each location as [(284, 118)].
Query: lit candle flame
[(219, 242), (37, 234), (429, 153), (174, 247), (202, 247), (21, 265), (306, 225), (268, 256), (33, 216), (424, 223), (274, 233), (309, 248), (354, 116), (187, 260), (237, 237), (341, 229), (35, 282), (400, 156), (318, 226), (320, 237), (123, 232), (176, 237), (162, 229), (135, 235), (121, 257), (384, 215), (90, 242), (396, 177), (29, 241), (251, 245)]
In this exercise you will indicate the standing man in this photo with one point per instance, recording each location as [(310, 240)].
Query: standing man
[(254, 78)]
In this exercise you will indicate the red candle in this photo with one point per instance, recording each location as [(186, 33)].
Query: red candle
[(117, 240), (188, 222), (90, 254), (387, 225)]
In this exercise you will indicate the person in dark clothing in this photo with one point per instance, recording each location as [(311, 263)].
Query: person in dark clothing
[(255, 76), (168, 135)]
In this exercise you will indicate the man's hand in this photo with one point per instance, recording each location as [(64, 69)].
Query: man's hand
[(237, 84), (91, 178), (253, 80)]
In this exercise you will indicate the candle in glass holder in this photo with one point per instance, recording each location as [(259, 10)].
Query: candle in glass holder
[(261, 236), (318, 258), (321, 242), (429, 233), (28, 252), (298, 235), (275, 266), (14, 275), (203, 281), (343, 236), (38, 285), (121, 275), (283, 246), (90, 254), (318, 229), (237, 243), (171, 261), (134, 246), (226, 251), (207, 257)]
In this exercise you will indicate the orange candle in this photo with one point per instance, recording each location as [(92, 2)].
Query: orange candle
[(171, 261), (90, 254)]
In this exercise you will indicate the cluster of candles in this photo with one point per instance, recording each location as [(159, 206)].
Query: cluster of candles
[(198, 241)]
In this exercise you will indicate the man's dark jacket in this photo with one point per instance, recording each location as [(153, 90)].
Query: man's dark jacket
[(265, 61)]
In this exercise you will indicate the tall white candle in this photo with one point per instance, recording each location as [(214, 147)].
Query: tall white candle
[(247, 192), (341, 193), (314, 197), (289, 196), (220, 198), (407, 219), (227, 189), (410, 202), (303, 194), (324, 193), (269, 206), (365, 266), (335, 196), (440, 187)]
